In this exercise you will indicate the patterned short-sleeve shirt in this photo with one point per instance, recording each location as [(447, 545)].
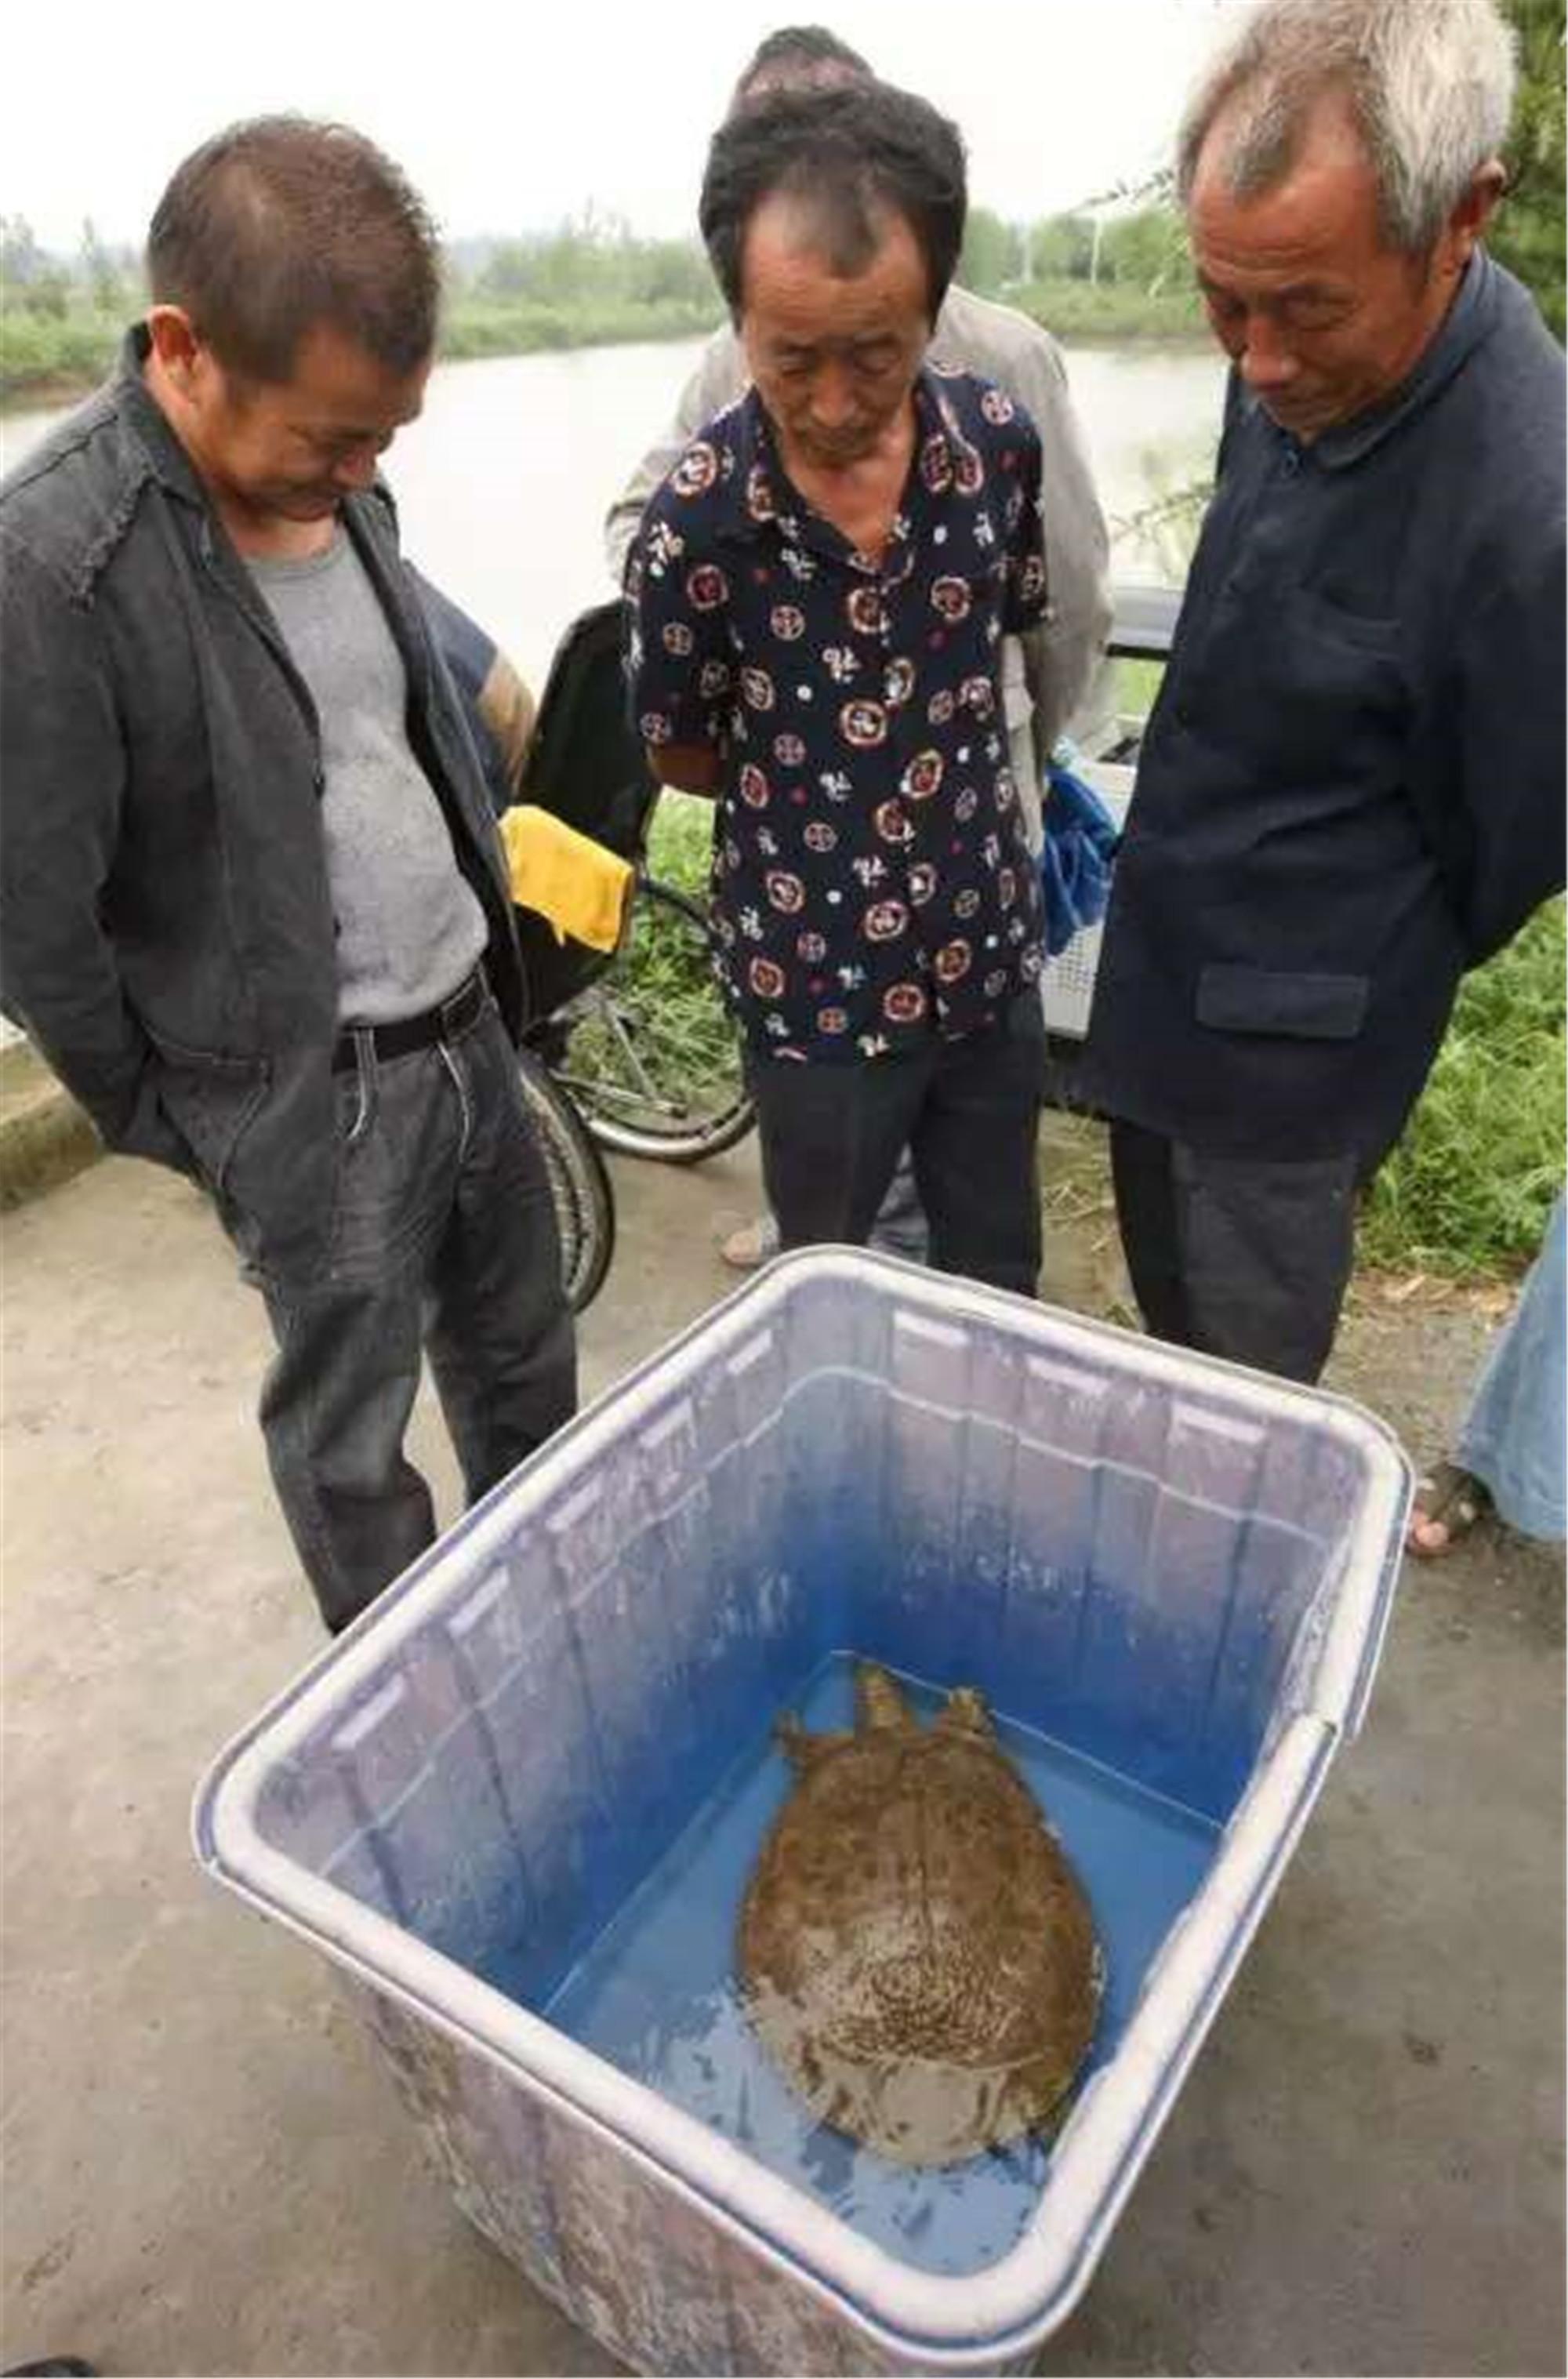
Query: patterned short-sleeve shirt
[(871, 882)]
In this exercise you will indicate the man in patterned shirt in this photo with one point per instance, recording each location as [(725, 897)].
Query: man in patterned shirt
[(817, 595)]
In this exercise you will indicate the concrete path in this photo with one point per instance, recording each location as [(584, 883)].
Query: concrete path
[(205, 2171)]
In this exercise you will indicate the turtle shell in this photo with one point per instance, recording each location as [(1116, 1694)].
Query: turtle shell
[(916, 1954)]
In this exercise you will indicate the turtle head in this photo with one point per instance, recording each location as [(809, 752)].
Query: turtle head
[(878, 1703)]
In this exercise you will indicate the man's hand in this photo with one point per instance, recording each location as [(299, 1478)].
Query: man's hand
[(689, 768)]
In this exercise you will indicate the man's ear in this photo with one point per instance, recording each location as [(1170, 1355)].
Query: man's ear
[(1468, 222), (175, 344)]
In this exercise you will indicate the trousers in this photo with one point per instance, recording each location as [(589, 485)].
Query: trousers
[(443, 1242), (1513, 1433), (1241, 1257), (968, 1112)]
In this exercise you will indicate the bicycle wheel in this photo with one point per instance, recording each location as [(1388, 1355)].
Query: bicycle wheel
[(653, 1058), (584, 1203)]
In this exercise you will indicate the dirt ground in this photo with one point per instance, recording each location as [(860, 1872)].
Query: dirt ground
[(205, 2168)]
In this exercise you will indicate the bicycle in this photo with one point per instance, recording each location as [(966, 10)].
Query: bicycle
[(647, 1050), (631, 1050), (579, 1181)]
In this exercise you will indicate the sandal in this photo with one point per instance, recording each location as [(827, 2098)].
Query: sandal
[(1448, 1505)]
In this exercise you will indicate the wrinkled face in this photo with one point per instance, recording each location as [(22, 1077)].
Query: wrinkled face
[(1321, 318), (833, 360), (292, 450)]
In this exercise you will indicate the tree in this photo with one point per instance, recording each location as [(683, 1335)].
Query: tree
[(1528, 234), (1146, 250), (1060, 249), (106, 288), (990, 252), (22, 259)]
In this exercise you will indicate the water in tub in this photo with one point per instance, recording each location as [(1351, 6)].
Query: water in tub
[(658, 1994)]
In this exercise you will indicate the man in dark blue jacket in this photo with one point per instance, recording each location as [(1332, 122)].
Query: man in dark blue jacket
[(253, 903), (1352, 784)]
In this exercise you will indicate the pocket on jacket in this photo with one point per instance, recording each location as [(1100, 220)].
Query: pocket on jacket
[(1302, 1007), (212, 1098)]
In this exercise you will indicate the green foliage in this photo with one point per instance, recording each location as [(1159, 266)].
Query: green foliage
[(107, 286), (592, 264), (1110, 312), (1061, 248), (1147, 250), (1528, 233), (990, 257), (472, 327), (680, 842), (39, 348), (1469, 1187)]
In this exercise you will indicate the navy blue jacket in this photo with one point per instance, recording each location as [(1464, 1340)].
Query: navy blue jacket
[(1352, 784), (167, 933)]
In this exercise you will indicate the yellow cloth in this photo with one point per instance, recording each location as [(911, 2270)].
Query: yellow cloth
[(574, 883)]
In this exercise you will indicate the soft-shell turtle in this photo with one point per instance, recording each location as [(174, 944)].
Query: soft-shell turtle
[(916, 1953)]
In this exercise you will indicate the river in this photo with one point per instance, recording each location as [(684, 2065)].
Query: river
[(503, 483)]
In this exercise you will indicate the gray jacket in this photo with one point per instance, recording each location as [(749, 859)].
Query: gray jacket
[(1046, 675), (167, 933)]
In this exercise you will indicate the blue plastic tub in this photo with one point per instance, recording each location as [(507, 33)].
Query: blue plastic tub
[(517, 1804)]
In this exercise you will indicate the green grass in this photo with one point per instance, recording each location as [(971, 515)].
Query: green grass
[(654, 1037), (519, 327), (680, 842), (1469, 1187)]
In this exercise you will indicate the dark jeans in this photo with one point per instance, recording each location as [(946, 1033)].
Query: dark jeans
[(1236, 1256), (444, 1237), (968, 1112)]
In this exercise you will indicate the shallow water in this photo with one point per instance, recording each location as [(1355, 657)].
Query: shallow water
[(655, 1994)]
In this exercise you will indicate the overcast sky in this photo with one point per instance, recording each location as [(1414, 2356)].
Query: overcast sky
[(509, 119)]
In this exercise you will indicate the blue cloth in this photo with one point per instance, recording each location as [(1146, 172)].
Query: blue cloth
[(1075, 858), (872, 885), (1513, 1434)]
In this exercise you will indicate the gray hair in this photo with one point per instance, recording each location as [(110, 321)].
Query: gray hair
[(1430, 83)]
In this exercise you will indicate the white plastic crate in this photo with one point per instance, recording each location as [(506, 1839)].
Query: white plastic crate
[(1180, 1566), (1067, 984)]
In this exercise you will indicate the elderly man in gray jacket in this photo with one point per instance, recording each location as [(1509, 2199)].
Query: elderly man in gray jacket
[(1045, 674)]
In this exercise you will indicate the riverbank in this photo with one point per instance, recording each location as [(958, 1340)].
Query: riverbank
[(44, 362), (46, 359)]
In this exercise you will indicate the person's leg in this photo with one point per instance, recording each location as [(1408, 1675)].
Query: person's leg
[(497, 1327), (831, 1137), (976, 1142), (1262, 1257), (335, 1405), (336, 1398), (1513, 1437), (901, 1227), (1146, 1217)]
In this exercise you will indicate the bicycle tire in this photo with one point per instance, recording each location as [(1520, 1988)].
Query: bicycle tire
[(580, 1186), (616, 1032)]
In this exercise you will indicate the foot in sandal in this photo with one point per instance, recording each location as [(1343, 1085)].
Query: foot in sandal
[(1448, 1505)]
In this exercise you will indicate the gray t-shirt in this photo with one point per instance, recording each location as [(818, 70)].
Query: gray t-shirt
[(410, 927)]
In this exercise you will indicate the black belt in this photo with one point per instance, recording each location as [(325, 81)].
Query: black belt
[(409, 1032)]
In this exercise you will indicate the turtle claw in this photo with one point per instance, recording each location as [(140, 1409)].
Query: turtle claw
[(965, 1712), (800, 1748)]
